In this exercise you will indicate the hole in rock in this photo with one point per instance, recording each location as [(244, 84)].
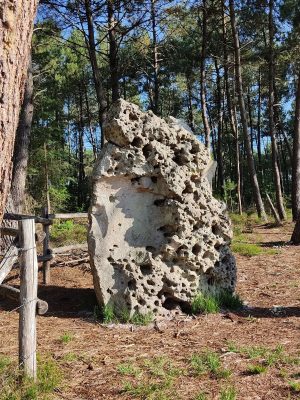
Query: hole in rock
[(211, 281), (146, 269), (154, 179), (147, 150), (141, 301), (132, 285), (216, 229), (133, 117), (159, 202), (150, 248), (196, 249), (195, 148), (180, 159), (110, 259), (171, 303), (137, 142), (134, 180), (188, 188)]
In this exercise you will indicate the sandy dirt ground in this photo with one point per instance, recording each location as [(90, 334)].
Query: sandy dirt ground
[(269, 284)]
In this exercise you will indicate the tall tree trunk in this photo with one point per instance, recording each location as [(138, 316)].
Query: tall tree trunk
[(259, 122), (20, 158), (250, 119), (275, 160), (100, 93), (81, 173), (113, 52), (93, 138), (252, 171), (189, 87), (16, 25), (207, 129), (231, 113), (220, 132), (296, 158), (155, 61)]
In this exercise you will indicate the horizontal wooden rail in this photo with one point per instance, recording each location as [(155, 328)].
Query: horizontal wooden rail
[(13, 293), (67, 249), (68, 216), (5, 231), (22, 217)]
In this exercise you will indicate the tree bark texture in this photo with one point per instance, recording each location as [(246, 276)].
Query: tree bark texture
[(231, 112), (250, 159), (21, 149), (113, 52), (16, 19), (296, 158), (207, 130), (100, 94), (272, 128), (155, 59)]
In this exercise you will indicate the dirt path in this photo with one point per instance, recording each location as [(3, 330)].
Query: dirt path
[(94, 357)]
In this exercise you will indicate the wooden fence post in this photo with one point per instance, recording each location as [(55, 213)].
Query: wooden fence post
[(28, 297), (46, 264)]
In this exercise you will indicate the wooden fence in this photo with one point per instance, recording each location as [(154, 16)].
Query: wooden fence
[(23, 250)]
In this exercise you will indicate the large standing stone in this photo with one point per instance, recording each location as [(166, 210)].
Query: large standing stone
[(157, 236)]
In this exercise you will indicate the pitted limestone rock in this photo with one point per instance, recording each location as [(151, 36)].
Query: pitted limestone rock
[(157, 236)]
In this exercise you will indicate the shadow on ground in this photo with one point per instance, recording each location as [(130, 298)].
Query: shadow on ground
[(63, 302)]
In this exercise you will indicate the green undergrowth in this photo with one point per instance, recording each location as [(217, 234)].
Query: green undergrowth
[(213, 303), (209, 362), (63, 233), (109, 314), (49, 378), (156, 378), (241, 243)]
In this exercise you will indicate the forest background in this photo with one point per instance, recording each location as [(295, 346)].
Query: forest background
[(230, 70)]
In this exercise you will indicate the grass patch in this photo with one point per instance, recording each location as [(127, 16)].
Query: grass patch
[(66, 337), (68, 232), (212, 303), (208, 362), (249, 249), (201, 396), (49, 377), (128, 369), (153, 380), (109, 315), (206, 303), (256, 369), (295, 386), (228, 393)]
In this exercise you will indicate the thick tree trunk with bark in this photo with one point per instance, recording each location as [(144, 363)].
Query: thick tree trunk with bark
[(252, 171), (296, 158), (21, 149), (16, 19), (275, 158), (295, 239)]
